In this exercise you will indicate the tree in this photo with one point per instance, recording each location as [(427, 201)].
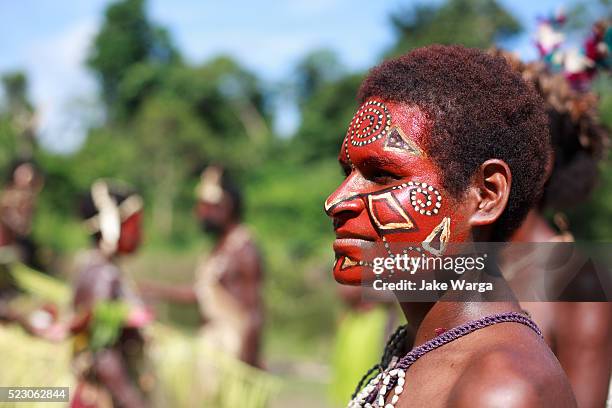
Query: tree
[(126, 38), (314, 71), (325, 118), (15, 85), (473, 23), (17, 120)]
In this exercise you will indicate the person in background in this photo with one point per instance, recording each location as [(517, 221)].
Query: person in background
[(228, 282), (17, 205), (108, 317), (578, 332)]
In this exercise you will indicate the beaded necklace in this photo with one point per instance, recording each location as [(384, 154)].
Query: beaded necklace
[(375, 393)]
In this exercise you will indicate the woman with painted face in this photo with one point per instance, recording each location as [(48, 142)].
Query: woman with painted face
[(109, 317), (450, 146)]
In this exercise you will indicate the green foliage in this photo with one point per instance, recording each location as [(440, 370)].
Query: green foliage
[(473, 23), (16, 120), (140, 81), (314, 71), (15, 85), (108, 319), (126, 38), (285, 210), (40, 285), (325, 117), (168, 118), (8, 143)]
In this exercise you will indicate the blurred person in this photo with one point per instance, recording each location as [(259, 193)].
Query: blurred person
[(450, 145), (363, 326), (108, 317), (17, 205), (578, 332), (228, 282)]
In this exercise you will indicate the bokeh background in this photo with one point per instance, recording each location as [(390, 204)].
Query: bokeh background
[(151, 91)]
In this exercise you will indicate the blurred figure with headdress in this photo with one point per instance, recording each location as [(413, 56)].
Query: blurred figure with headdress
[(577, 332), (228, 281), (108, 317), (226, 358)]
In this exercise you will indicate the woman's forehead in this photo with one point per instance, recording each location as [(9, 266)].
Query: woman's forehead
[(384, 131)]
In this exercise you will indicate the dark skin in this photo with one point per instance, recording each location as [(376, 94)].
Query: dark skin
[(577, 332), (24, 179), (6, 236), (99, 284), (505, 365), (242, 277), (108, 364), (486, 367)]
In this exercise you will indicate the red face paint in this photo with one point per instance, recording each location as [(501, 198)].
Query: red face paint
[(392, 194), (131, 234)]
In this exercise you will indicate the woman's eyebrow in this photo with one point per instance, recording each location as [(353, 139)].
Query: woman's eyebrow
[(377, 161)]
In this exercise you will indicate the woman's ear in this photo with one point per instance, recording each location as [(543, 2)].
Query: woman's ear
[(490, 191)]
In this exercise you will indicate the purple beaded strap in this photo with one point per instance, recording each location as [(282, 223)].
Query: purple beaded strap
[(453, 334), (460, 331)]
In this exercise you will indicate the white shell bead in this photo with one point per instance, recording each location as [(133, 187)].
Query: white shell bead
[(395, 399), (401, 381), (399, 389)]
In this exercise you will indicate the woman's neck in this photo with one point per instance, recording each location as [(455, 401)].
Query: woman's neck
[(109, 256), (427, 318), (456, 307), (535, 228)]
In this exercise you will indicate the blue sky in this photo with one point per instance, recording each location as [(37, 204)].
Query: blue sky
[(50, 39)]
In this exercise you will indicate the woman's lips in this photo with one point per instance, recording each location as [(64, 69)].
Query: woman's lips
[(352, 247), (350, 251)]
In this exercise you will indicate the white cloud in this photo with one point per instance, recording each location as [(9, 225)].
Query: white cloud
[(62, 89)]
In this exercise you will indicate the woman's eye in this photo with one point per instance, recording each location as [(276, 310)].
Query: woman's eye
[(384, 177)]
